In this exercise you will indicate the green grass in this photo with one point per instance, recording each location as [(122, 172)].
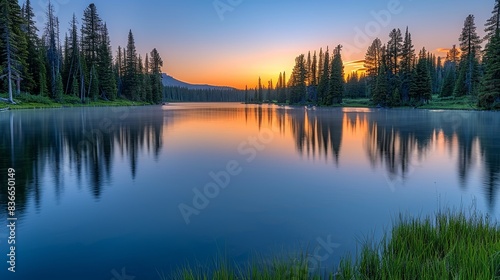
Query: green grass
[(28, 101), (282, 267), (452, 103), (446, 245)]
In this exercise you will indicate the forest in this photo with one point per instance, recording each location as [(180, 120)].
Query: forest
[(82, 68), (395, 74)]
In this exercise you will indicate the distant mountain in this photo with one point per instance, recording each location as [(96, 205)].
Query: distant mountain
[(169, 81)]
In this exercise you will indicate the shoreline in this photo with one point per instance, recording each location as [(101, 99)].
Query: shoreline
[(458, 104)]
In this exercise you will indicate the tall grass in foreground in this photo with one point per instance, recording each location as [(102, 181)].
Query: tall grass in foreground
[(447, 245)]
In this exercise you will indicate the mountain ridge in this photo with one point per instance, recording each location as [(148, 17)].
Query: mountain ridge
[(169, 81)]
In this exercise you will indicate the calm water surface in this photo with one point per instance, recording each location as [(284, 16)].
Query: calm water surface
[(108, 193)]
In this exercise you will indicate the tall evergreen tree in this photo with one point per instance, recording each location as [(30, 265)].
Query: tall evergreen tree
[(321, 61), (323, 81), (421, 86), (309, 68), (130, 83), (314, 70), (394, 51), (407, 58), (298, 81), (91, 35), (107, 82), (381, 90), (470, 45), (493, 23), (53, 53), (260, 96), (91, 45), (72, 61), (373, 60), (31, 78), (10, 49), (489, 97), (156, 63), (336, 82)]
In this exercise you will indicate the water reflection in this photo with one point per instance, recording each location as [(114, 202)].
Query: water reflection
[(83, 141), (401, 140), (86, 142)]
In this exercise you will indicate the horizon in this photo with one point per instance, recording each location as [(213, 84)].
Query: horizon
[(247, 40)]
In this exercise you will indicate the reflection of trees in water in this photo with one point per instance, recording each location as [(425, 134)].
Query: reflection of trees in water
[(398, 140), (317, 133), (395, 138), (76, 140), (490, 152)]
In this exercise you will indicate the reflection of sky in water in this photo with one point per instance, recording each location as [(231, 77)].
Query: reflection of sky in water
[(112, 202)]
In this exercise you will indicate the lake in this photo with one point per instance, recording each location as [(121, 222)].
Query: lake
[(116, 193)]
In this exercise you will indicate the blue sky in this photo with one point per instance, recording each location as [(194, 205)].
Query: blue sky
[(252, 38)]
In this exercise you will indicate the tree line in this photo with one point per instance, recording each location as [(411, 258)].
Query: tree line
[(82, 68), (395, 74)]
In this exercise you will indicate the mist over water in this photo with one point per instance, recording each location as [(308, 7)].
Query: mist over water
[(99, 190)]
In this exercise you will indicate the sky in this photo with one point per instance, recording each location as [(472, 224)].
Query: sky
[(233, 42)]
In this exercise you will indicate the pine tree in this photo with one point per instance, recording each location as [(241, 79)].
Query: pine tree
[(72, 60), (407, 58), (156, 63), (493, 23), (308, 68), (373, 60), (140, 78), (130, 82), (107, 82), (321, 61), (323, 81), (380, 93), (119, 71), (281, 91), (32, 41), (314, 70), (394, 51), (260, 95), (298, 81), (42, 77), (470, 46), (336, 82), (489, 97), (421, 85), (91, 35), (10, 49), (53, 52)]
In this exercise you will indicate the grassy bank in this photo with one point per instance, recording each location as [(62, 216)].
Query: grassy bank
[(27, 101), (447, 245)]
